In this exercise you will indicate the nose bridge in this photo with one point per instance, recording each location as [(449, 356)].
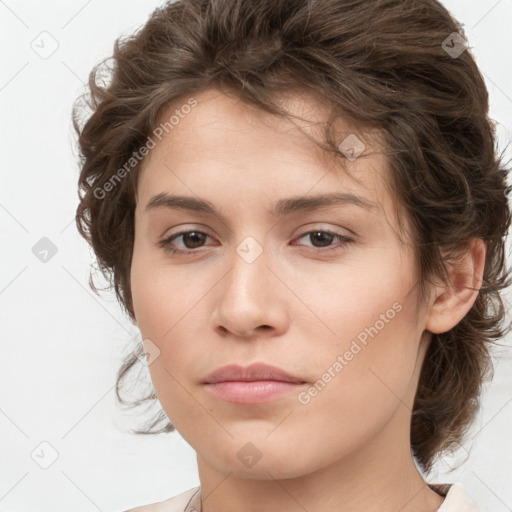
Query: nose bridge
[(248, 278), (248, 297)]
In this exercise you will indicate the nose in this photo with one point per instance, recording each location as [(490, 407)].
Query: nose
[(251, 299)]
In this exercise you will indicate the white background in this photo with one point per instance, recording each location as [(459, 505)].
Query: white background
[(62, 345)]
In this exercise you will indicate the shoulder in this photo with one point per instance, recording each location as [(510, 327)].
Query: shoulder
[(457, 500), (177, 503)]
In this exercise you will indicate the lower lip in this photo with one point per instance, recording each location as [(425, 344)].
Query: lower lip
[(251, 392)]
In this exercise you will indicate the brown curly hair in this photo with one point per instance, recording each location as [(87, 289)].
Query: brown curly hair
[(381, 63)]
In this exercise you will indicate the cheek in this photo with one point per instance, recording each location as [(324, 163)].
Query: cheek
[(161, 294), (365, 365), (360, 386), (165, 302), (373, 359), (364, 301)]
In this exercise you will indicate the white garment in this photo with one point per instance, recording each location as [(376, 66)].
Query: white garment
[(456, 500)]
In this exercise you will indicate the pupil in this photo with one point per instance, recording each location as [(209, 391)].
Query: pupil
[(327, 238), (192, 235)]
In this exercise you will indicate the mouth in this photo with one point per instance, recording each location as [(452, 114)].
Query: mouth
[(257, 383)]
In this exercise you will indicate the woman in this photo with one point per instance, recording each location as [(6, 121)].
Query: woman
[(301, 208)]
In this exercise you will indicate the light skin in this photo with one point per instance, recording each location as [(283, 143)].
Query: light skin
[(349, 447)]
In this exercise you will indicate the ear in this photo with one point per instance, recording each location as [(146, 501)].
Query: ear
[(453, 301)]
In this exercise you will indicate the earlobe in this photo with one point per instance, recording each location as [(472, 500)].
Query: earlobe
[(452, 302)]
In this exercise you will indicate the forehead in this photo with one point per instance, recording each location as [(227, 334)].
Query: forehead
[(224, 144)]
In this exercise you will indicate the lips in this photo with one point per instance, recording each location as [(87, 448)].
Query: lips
[(257, 384), (254, 372)]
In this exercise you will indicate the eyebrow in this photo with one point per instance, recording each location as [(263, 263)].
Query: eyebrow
[(281, 207)]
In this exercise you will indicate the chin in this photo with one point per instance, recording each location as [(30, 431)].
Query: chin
[(263, 460)]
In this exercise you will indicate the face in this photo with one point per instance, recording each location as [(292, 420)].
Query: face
[(326, 293)]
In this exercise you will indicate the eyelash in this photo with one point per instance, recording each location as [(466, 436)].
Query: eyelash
[(167, 247)]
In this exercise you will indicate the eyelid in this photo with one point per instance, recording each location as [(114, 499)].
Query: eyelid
[(342, 240), (187, 228), (322, 226), (184, 229), (166, 240)]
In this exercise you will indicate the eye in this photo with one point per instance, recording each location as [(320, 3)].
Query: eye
[(192, 240), (325, 239)]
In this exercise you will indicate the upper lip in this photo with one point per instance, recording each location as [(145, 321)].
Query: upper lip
[(253, 372)]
